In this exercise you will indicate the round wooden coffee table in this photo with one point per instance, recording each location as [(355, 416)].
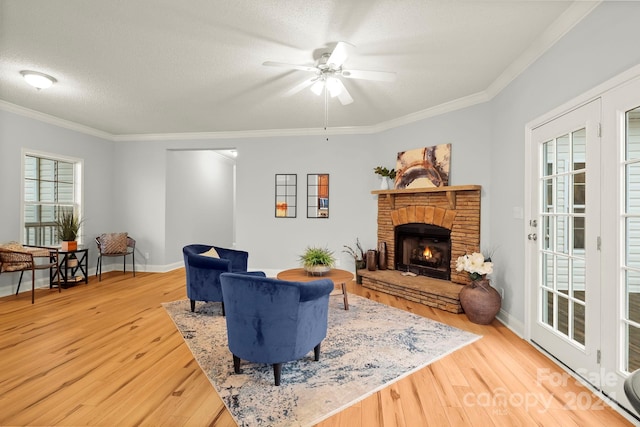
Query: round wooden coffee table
[(338, 277)]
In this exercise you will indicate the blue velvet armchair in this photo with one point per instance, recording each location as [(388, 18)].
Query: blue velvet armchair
[(203, 272), (274, 321)]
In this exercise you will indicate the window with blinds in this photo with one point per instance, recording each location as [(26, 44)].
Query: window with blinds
[(50, 188)]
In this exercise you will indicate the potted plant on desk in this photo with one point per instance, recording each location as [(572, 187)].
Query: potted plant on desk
[(68, 226)]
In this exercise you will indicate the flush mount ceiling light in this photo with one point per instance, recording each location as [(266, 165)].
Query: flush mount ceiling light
[(38, 80)]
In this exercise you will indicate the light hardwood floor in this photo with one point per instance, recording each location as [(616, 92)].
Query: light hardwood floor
[(107, 354)]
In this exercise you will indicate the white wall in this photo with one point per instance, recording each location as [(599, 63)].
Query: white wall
[(200, 201)]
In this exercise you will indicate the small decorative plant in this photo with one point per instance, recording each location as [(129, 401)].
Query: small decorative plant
[(384, 172), (314, 256), (68, 226), (476, 264), (357, 253)]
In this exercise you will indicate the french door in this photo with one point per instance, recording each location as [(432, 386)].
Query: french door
[(583, 251), (621, 225), (564, 238)]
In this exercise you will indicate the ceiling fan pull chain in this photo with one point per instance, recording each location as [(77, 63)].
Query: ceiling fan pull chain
[(326, 112)]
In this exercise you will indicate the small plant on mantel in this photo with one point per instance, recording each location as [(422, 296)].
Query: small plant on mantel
[(384, 172)]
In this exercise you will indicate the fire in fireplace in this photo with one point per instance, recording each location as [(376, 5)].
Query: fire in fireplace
[(423, 249)]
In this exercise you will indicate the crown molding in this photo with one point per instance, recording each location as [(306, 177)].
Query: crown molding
[(447, 107), (56, 121), (263, 133)]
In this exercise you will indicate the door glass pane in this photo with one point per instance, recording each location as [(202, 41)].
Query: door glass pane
[(633, 243), (632, 174), (563, 314), (547, 270), (632, 286), (631, 214), (561, 196), (633, 348), (579, 147), (579, 194), (548, 158), (547, 233), (547, 307), (578, 322), (579, 285), (562, 274), (563, 145)]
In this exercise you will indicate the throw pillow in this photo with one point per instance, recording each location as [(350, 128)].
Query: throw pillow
[(211, 252), (113, 243)]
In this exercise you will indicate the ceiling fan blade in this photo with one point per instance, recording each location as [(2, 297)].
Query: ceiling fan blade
[(344, 96), (381, 76), (290, 66), (340, 54), (297, 88)]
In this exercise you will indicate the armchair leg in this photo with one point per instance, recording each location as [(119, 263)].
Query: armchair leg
[(223, 308), (316, 352), (236, 364), (193, 305), (277, 369)]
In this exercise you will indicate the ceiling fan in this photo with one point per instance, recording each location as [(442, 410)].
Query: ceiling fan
[(327, 73)]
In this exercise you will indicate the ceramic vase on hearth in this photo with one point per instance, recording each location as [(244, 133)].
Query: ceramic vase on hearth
[(480, 301), (372, 260)]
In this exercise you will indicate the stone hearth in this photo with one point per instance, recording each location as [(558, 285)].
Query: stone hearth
[(456, 208)]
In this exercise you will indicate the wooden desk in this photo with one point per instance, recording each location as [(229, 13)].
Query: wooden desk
[(338, 277)]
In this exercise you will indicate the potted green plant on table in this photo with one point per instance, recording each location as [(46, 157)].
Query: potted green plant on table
[(317, 261), (68, 226)]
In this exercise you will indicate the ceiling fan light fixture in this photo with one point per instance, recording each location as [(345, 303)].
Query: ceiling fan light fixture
[(334, 86), (317, 87), (37, 79)]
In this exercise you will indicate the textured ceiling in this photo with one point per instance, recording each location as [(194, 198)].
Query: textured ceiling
[(170, 66)]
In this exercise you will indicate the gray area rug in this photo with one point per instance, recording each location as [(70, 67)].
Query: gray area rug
[(367, 347)]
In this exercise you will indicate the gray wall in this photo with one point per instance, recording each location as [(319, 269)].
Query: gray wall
[(200, 201), (126, 184)]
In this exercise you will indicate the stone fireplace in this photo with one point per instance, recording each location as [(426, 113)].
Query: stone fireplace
[(452, 216)]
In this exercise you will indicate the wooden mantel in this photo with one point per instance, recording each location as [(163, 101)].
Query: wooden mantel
[(449, 190)]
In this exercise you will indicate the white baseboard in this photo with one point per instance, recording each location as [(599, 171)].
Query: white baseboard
[(515, 325)]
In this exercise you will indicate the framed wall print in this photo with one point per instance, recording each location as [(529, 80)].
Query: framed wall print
[(286, 195), (318, 195)]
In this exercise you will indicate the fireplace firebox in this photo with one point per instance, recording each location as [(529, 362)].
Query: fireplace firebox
[(423, 249)]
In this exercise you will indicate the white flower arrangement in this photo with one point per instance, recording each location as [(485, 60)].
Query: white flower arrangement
[(475, 264)]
